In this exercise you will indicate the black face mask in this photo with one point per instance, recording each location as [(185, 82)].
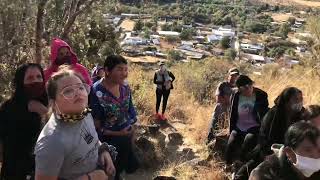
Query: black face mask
[(64, 60)]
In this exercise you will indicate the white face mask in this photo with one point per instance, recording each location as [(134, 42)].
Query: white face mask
[(307, 166), (297, 107)]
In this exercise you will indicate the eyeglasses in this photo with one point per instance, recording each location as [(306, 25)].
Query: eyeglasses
[(69, 92)]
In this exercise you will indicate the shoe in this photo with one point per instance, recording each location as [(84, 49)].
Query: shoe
[(158, 115), (162, 117)]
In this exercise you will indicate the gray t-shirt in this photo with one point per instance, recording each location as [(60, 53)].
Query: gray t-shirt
[(224, 89), (67, 150)]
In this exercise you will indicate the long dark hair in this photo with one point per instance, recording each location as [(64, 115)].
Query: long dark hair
[(281, 114), (18, 94)]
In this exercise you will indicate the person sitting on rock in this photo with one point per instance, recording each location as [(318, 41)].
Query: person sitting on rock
[(68, 146), (163, 78), (223, 95), (249, 105), (287, 110), (297, 159), (114, 113), (62, 54)]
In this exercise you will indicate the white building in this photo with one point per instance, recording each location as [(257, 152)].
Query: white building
[(168, 33)]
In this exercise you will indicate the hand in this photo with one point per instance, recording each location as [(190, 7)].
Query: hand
[(106, 161), (37, 107), (98, 175), (126, 131)]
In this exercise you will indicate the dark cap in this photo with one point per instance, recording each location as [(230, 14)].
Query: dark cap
[(233, 71), (243, 80)]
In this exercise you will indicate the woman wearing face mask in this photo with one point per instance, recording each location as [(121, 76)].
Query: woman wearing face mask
[(68, 146), (20, 122), (249, 105), (62, 54), (287, 110), (298, 159), (113, 110), (163, 78)]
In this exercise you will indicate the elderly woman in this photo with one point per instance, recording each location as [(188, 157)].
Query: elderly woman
[(68, 146)]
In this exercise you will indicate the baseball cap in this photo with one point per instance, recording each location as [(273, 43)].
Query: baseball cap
[(233, 71)]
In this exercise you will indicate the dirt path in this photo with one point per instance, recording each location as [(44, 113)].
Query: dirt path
[(178, 155)]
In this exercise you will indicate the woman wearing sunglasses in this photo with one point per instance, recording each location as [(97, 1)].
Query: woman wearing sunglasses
[(249, 105), (68, 146)]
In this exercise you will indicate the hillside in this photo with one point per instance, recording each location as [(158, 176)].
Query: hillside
[(297, 3), (191, 104)]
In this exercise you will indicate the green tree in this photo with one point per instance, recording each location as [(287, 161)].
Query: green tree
[(255, 27), (174, 55), (186, 34), (225, 42), (284, 30), (138, 26)]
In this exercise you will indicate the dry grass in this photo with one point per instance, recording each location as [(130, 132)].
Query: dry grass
[(280, 17), (187, 106), (127, 25)]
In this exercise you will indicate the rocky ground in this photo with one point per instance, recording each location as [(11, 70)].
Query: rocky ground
[(163, 148)]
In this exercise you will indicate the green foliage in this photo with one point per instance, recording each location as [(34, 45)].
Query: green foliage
[(172, 39), (225, 42), (174, 55), (187, 34), (277, 52), (138, 26), (230, 54), (255, 27), (284, 30)]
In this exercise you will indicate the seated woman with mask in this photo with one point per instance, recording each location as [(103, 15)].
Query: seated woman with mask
[(298, 159)]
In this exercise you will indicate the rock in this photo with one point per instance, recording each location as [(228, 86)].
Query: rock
[(164, 178), (218, 145), (175, 139), (144, 144), (145, 152), (188, 154), (153, 129)]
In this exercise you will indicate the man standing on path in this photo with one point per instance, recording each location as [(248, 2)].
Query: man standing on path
[(224, 92)]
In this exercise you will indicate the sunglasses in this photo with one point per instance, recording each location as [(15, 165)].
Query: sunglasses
[(70, 92)]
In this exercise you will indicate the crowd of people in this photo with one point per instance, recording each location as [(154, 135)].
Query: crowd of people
[(281, 142), (63, 123)]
